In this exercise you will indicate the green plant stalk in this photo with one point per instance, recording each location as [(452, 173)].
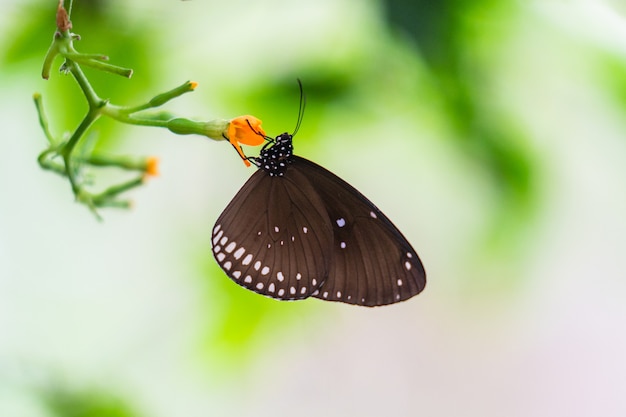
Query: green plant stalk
[(143, 115)]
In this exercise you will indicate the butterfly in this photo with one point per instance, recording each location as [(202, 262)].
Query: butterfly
[(296, 230)]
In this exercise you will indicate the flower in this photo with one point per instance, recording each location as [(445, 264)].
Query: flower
[(152, 166), (245, 130)]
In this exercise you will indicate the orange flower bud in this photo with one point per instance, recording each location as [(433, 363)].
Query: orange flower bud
[(245, 130), (152, 166)]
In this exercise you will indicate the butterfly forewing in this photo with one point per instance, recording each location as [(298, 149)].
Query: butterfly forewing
[(274, 238), (372, 262)]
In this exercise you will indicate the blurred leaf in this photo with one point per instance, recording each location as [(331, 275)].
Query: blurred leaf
[(63, 402), (613, 71), (455, 38), (244, 320)]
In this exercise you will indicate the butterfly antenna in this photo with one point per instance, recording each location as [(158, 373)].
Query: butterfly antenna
[(267, 138), (300, 108)]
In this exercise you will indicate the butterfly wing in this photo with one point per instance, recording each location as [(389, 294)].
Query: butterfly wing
[(372, 263), (274, 237)]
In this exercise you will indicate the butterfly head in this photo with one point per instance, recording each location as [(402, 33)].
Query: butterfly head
[(275, 159)]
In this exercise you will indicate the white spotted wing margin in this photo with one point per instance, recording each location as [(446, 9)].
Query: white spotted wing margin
[(274, 236), (372, 263)]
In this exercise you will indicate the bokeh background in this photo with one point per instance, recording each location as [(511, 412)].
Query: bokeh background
[(493, 133)]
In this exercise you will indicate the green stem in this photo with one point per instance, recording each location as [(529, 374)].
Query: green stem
[(68, 148), (90, 94), (43, 120)]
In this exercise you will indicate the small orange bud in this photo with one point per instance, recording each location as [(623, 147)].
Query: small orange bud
[(245, 130), (193, 85), (152, 166)]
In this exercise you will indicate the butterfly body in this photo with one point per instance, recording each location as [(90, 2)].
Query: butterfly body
[(296, 230)]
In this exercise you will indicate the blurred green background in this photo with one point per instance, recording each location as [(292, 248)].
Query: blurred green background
[(491, 132)]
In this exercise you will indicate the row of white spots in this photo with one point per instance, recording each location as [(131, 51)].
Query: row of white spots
[(222, 240), (219, 240), (217, 236), (326, 294), (222, 243)]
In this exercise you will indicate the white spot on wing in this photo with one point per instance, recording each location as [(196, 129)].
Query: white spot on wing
[(292, 290), (338, 294), (217, 249), (343, 245), (265, 270), (247, 259), (373, 215), (325, 295), (257, 265), (304, 229), (407, 265), (239, 252), (314, 282), (276, 229), (224, 240), (259, 286), (302, 290), (280, 276), (409, 255), (237, 274), (217, 228), (281, 292), (220, 257), (217, 237), (341, 222), (399, 283), (247, 279), (228, 265), (231, 247), (271, 288), (298, 276)]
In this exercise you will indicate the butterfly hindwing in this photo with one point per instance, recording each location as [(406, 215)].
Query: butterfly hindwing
[(274, 238), (372, 262)]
